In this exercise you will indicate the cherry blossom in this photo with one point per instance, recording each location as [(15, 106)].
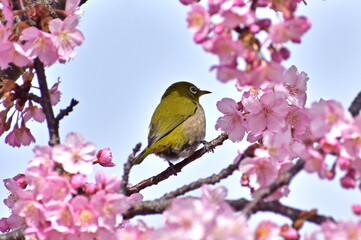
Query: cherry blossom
[(75, 155), (198, 22), (227, 49), (233, 121), (267, 112), (188, 2), (104, 158), (66, 37), (329, 118), (19, 136), (260, 170), (296, 85), (267, 230), (72, 7), (5, 59), (39, 44), (236, 14), (226, 73), (34, 112), (315, 162), (342, 230), (55, 94), (352, 139), (109, 183), (7, 12), (110, 208), (290, 30)]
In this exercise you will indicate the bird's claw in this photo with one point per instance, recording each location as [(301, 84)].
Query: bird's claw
[(171, 165), (207, 146)]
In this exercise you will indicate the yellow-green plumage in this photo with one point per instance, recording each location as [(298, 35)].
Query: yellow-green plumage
[(178, 123)]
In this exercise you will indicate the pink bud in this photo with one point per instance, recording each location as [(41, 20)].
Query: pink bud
[(348, 181), (356, 208), (77, 181), (135, 197), (188, 2), (91, 188), (219, 28), (20, 181), (276, 57), (105, 157), (4, 226), (330, 145), (344, 162), (264, 23), (244, 180), (285, 53), (289, 233)]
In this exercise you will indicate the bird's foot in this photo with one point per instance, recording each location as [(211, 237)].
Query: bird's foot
[(171, 165), (207, 146)]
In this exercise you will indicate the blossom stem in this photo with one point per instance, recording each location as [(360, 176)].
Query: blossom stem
[(177, 167), (53, 126), (213, 179), (355, 105), (283, 179)]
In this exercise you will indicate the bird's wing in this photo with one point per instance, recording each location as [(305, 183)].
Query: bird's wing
[(166, 117)]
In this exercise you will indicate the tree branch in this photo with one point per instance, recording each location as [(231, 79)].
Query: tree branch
[(254, 5), (16, 234), (224, 173), (13, 72), (45, 103), (276, 207), (179, 166), (66, 111), (127, 167), (355, 105), (282, 180), (159, 205)]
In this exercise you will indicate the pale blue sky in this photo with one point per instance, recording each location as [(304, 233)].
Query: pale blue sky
[(134, 49)]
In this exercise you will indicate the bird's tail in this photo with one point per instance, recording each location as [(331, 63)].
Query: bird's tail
[(141, 156)]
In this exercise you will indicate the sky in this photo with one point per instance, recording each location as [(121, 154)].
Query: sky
[(135, 49)]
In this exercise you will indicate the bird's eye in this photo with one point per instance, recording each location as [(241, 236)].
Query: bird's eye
[(193, 90)]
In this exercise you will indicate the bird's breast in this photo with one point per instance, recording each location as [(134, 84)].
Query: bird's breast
[(195, 126)]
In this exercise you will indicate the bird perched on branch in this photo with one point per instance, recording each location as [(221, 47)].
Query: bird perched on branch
[(178, 124)]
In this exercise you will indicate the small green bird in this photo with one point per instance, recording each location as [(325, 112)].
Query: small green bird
[(178, 124)]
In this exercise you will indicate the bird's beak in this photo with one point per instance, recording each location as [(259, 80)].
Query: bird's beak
[(202, 92)]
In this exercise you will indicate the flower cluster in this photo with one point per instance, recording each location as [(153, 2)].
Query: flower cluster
[(272, 107), (209, 217), (15, 99), (54, 200), (50, 40), (24, 36), (249, 49), (341, 230), (275, 115)]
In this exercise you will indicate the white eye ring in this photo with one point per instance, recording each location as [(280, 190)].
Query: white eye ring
[(193, 90)]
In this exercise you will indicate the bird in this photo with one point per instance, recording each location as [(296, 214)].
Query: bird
[(178, 124)]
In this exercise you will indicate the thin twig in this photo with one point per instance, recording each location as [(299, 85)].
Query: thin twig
[(159, 205), (282, 180), (276, 207), (16, 234), (210, 180), (179, 166), (254, 5), (355, 105), (224, 173), (45, 103), (127, 167), (35, 98), (66, 111)]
